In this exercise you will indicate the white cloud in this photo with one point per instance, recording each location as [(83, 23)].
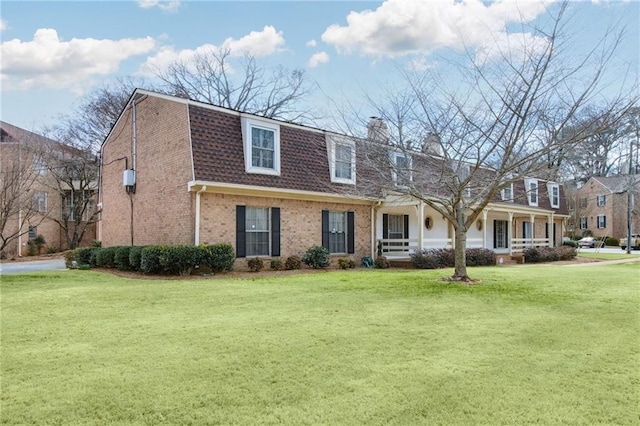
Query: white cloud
[(47, 61), (311, 43), (256, 43), (402, 27), (318, 58), (166, 5), (3, 25)]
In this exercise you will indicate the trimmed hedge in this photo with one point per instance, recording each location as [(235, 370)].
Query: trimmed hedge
[(293, 262), (178, 259), (317, 257), (277, 264), (121, 258), (255, 264), (105, 257), (219, 257), (135, 256), (445, 258), (150, 259), (84, 255), (381, 262), (549, 254)]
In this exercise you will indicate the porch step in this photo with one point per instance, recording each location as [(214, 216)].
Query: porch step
[(402, 263), (514, 259)]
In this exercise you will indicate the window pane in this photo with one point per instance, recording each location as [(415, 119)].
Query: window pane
[(257, 231), (501, 234), (337, 234), (263, 147), (33, 232), (396, 226), (343, 161), (533, 188)]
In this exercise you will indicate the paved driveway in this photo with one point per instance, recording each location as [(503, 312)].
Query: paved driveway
[(31, 266)]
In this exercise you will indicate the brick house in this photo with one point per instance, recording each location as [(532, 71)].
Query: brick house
[(23, 160), (180, 171), (600, 206)]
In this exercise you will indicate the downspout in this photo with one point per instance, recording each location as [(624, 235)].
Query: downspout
[(374, 246), (20, 203), (197, 226), (134, 143)]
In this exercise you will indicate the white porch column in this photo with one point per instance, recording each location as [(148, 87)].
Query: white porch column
[(197, 225), (532, 219), (421, 225), (512, 232), (485, 213)]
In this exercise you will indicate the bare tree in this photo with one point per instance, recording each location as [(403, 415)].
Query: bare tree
[(210, 77), (73, 177), (89, 124), (463, 142), (19, 171)]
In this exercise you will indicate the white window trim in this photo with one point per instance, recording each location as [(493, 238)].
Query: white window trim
[(344, 232), (394, 156), (503, 195), (268, 231), (583, 222), (603, 198), (527, 188), (249, 123), (44, 207), (333, 141), (550, 187), (604, 221)]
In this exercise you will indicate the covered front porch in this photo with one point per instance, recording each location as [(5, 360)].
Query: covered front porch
[(403, 226)]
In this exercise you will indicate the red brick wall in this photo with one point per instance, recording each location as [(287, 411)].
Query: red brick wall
[(300, 222), (162, 206)]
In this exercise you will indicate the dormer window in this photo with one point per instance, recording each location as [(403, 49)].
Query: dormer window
[(531, 186), (402, 164), (261, 146), (554, 194), (507, 193), (342, 159)]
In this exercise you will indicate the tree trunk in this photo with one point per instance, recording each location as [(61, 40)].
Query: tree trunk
[(460, 269)]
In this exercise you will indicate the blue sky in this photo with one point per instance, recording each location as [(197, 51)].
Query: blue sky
[(53, 52)]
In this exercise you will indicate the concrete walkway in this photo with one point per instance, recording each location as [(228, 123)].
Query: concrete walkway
[(606, 262)]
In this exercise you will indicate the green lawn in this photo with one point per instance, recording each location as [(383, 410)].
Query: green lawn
[(606, 256), (534, 344)]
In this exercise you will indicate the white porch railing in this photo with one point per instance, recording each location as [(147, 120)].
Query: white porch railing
[(403, 247), (519, 244)]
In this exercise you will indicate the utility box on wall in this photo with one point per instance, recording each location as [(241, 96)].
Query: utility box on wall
[(129, 177)]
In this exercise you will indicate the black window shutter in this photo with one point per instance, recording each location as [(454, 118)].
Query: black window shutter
[(506, 232), (546, 230), (325, 229), (406, 228), (495, 234), (604, 221), (524, 229), (351, 242), (385, 226), (275, 231), (241, 242)]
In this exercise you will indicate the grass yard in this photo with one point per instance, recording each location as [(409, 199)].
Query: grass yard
[(535, 344), (606, 256)]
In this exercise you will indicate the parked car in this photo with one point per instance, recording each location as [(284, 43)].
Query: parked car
[(635, 242), (591, 242)]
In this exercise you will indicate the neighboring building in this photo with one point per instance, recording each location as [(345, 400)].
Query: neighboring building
[(181, 171), (600, 207), (32, 203)]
